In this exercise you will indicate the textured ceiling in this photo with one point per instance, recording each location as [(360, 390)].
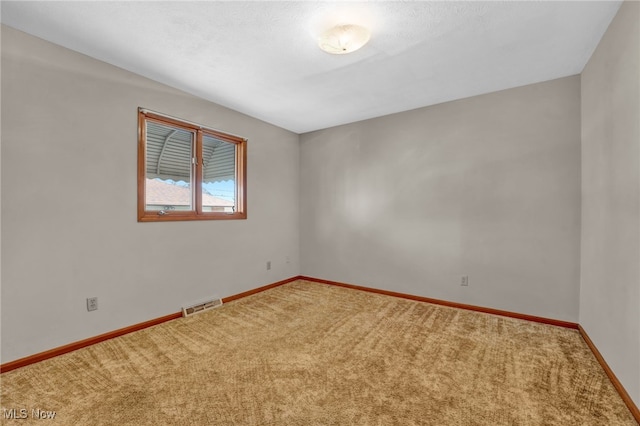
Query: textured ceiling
[(261, 58)]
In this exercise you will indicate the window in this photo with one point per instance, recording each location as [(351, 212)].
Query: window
[(189, 172)]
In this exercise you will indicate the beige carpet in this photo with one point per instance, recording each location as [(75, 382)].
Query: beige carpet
[(313, 354)]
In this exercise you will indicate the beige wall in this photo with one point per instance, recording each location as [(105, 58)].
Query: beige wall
[(69, 229), (610, 272), (487, 187)]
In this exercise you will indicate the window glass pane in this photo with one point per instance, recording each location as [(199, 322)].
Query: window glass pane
[(219, 175), (169, 170), (181, 164)]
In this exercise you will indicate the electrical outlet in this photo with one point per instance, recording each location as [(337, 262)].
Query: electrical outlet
[(92, 304), (268, 265), (287, 259), (465, 280)]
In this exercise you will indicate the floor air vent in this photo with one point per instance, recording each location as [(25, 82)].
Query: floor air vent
[(201, 307)]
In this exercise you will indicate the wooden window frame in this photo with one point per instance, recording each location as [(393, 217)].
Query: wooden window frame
[(197, 213)]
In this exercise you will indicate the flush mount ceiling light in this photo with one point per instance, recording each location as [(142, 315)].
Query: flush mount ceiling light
[(343, 39)]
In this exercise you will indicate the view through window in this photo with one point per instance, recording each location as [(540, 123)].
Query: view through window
[(189, 172)]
